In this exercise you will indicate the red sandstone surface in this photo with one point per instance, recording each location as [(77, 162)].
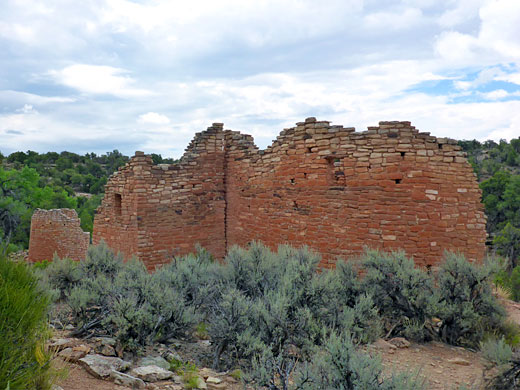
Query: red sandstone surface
[(57, 231), (328, 187)]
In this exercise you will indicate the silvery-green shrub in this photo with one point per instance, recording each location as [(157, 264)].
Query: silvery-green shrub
[(402, 292), (466, 306)]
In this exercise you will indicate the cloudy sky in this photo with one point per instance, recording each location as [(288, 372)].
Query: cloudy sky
[(98, 75)]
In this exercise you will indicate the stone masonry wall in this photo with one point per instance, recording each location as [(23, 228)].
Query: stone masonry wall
[(57, 231), (165, 210), (324, 186)]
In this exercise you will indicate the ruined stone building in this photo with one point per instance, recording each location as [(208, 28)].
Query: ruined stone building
[(57, 231), (328, 187)]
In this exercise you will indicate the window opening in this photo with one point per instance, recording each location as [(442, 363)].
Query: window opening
[(117, 204)]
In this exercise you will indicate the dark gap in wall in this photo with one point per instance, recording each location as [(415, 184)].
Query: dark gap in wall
[(118, 200), (397, 181), (402, 155), (440, 146)]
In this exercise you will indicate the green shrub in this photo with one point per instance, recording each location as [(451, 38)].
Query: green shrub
[(63, 275), (173, 315), (194, 277), (508, 279), (254, 271), (231, 319), (267, 300), (515, 283), (270, 302), (201, 331), (101, 260), (403, 293), (236, 374), (125, 301), (510, 331), (24, 363), (271, 371), (467, 306), (362, 320), (496, 351), (41, 264), (340, 366), (191, 380), (506, 379)]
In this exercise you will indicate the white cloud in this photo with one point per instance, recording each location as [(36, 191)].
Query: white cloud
[(496, 94), (461, 12), (154, 118), (456, 48), (257, 66), (497, 39), (17, 96), (394, 20), (485, 76), (198, 24), (501, 27), (511, 78), (499, 94), (99, 79), (27, 109), (19, 32)]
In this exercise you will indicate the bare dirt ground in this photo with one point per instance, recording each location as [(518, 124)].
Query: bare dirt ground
[(434, 362), (513, 309), (443, 366), (79, 379)]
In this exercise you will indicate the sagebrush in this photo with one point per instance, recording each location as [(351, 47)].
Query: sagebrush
[(275, 314)]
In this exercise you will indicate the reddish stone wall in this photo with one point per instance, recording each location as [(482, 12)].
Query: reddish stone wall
[(57, 231), (167, 209), (324, 186)]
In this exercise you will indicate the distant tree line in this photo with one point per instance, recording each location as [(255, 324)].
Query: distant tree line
[(29, 180), (497, 166)]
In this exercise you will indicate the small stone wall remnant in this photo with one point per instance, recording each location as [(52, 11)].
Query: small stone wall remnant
[(57, 231), (328, 187)]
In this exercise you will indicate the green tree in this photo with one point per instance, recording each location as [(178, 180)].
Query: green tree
[(511, 202), (493, 191), (507, 243), (64, 163), (22, 192)]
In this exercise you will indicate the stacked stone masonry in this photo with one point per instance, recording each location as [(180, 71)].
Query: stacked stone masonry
[(57, 231), (328, 187)]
